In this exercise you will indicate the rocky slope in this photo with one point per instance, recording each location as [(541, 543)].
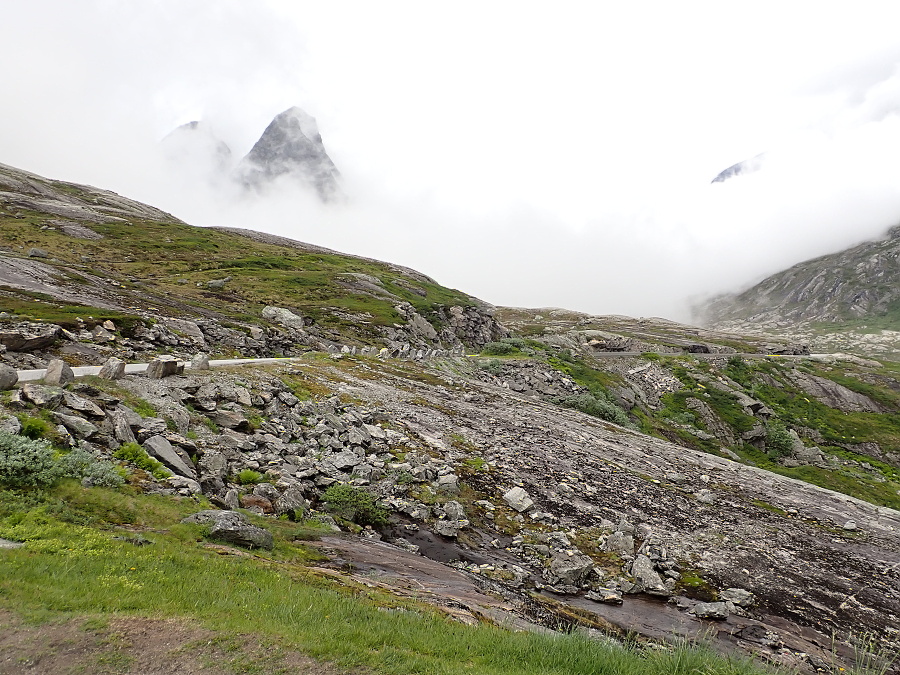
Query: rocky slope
[(291, 146), (568, 517), (859, 283)]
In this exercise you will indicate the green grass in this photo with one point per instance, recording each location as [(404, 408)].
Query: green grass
[(71, 565)]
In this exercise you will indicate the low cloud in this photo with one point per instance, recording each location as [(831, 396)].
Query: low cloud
[(575, 173)]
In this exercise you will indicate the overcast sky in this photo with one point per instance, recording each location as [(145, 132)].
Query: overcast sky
[(532, 154)]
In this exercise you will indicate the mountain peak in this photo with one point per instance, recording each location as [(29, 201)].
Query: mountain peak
[(291, 145)]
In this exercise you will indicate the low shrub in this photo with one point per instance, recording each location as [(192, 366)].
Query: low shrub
[(136, 455), (355, 505), (492, 366), (30, 463), (27, 462), (779, 442), (34, 427), (249, 477), (598, 406), (498, 349)]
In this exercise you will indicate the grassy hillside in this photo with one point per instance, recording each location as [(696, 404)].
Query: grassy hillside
[(141, 259)]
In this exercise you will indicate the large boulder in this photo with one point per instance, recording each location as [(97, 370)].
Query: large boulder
[(646, 578), (58, 373), (8, 377), (165, 452), (518, 499), (232, 527), (162, 366), (28, 336), (113, 369), (570, 570)]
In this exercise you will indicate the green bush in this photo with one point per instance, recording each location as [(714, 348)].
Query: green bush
[(249, 477), (597, 405), (34, 427), (136, 455), (27, 462), (498, 349), (493, 366), (355, 505), (779, 441), (92, 472)]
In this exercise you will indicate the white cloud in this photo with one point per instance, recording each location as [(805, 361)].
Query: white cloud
[(527, 154)]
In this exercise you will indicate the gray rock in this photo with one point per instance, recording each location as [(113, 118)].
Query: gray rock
[(162, 366), (44, 397), (121, 428), (200, 362), (454, 510), (518, 499), (186, 484), (647, 580), (232, 527), (230, 419), (608, 596), (738, 596), (28, 336), (161, 449), (345, 460), (232, 500), (710, 610), (621, 543), (75, 402), (290, 500), (448, 484), (283, 316), (37, 253), (112, 369), (10, 424), (6, 543), (570, 570), (449, 528), (705, 496), (78, 427), (8, 377)]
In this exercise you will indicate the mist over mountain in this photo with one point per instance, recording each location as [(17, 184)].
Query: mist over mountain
[(291, 146), (861, 282)]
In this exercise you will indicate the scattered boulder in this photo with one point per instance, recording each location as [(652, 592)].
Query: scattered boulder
[(112, 369), (161, 449), (233, 528), (200, 362), (58, 373), (570, 570), (162, 366), (518, 499), (41, 396), (8, 377), (738, 596), (717, 611), (647, 579), (29, 336)]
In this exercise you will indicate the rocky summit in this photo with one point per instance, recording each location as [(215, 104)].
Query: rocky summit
[(539, 469), (291, 146)]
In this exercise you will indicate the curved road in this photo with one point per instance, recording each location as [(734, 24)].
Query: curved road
[(131, 368)]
